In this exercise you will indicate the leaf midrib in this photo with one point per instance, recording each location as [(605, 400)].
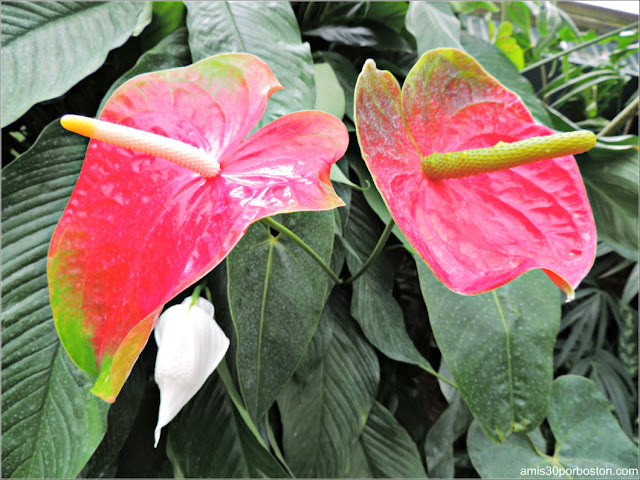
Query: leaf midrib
[(236, 30), (508, 345), (263, 304)]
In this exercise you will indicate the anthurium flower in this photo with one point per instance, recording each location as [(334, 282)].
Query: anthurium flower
[(476, 227), (190, 347), (149, 218)]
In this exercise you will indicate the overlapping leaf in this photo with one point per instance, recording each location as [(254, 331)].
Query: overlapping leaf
[(588, 441), (339, 374), (276, 296), (498, 347), (51, 424), (139, 229), (209, 439), (476, 233), (36, 33)]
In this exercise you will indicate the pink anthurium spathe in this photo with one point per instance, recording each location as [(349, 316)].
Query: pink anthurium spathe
[(483, 229), (139, 228)]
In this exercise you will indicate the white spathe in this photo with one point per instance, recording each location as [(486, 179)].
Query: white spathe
[(190, 347)]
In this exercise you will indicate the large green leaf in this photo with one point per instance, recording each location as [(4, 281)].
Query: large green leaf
[(498, 347), (209, 439), (588, 441), (347, 77), (610, 174), (385, 449), (51, 423), (276, 295), (338, 374), (268, 30), (434, 25), (47, 47), (373, 305), (329, 93)]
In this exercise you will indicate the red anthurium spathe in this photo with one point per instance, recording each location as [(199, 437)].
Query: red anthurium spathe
[(476, 232), (139, 228)]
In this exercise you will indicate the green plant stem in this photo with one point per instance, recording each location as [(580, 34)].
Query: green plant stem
[(374, 254), (439, 377), (225, 376), (578, 47), (284, 230), (620, 119)]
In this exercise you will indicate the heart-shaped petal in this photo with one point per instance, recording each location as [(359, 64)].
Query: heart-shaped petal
[(139, 229), (478, 232)]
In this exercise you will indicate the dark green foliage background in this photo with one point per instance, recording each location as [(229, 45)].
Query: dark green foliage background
[(355, 380)]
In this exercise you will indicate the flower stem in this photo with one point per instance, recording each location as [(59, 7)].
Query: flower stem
[(374, 254), (282, 229)]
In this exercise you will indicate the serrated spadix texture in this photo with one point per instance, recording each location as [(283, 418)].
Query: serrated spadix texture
[(190, 347)]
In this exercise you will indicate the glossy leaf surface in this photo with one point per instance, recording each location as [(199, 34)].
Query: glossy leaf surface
[(139, 229), (480, 232), (44, 395), (587, 437), (498, 347)]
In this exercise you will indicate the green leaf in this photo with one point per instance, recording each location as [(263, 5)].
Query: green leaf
[(498, 347), (509, 46), (47, 47), (209, 439), (391, 14), (103, 462), (347, 77), (172, 52), (519, 14), (434, 25), (268, 30), (494, 61), (611, 178), (438, 445), (167, 18), (467, 7), (339, 373), (588, 441), (276, 295), (373, 304), (51, 423), (373, 197), (388, 448), (329, 93)]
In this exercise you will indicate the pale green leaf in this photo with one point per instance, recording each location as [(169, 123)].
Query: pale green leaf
[(47, 47)]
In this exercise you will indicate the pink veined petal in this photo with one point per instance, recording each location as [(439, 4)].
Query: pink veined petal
[(476, 233), (139, 229)]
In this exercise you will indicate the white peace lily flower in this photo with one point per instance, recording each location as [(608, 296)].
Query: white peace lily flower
[(190, 347)]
